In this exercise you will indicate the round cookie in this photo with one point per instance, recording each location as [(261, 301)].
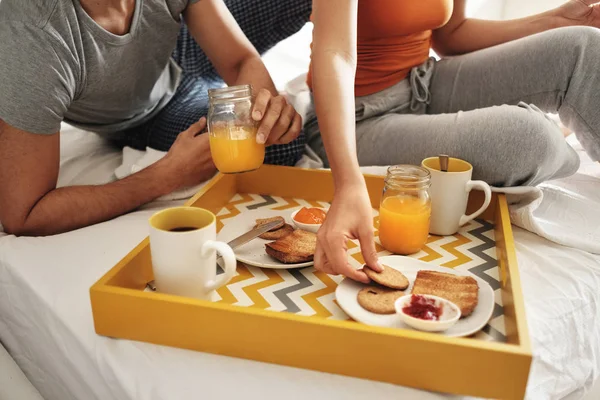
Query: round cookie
[(263, 221), (278, 234), (379, 300), (389, 277)]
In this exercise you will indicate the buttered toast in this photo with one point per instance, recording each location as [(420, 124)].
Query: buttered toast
[(297, 247), (461, 290)]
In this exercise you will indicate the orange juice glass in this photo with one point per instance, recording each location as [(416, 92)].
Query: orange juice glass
[(232, 130), (405, 209)]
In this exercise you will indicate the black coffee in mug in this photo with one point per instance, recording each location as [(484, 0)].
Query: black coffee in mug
[(183, 229)]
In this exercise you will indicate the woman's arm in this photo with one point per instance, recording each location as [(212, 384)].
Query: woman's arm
[(334, 63), (463, 35), (334, 69)]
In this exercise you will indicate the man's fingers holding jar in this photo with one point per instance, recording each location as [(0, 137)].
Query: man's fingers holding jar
[(261, 103), (294, 130), (274, 112), (279, 121), (282, 125)]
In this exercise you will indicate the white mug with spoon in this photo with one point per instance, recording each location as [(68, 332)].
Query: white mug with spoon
[(449, 191)]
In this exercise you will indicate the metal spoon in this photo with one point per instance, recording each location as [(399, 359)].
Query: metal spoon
[(444, 159)]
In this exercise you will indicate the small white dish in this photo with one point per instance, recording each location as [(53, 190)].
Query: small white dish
[(314, 228), (450, 314)]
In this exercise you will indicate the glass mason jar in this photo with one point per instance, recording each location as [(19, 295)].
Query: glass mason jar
[(405, 209), (233, 131)]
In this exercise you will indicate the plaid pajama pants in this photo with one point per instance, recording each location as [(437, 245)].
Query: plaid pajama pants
[(265, 23)]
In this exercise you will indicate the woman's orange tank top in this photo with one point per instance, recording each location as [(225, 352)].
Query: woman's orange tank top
[(393, 37)]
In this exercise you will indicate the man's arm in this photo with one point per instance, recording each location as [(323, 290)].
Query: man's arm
[(237, 61), (30, 203), (463, 35)]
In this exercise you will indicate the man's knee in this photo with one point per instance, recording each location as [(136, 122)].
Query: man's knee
[(286, 154)]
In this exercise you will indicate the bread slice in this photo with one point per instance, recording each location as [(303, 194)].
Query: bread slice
[(297, 247), (263, 221), (461, 290)]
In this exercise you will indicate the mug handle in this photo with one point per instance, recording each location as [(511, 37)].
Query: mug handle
[(488, 198), (230, 262)]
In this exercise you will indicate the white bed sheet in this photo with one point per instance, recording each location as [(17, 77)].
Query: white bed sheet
[(46, 322)]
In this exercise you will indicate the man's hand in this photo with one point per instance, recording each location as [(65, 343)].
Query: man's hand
[(279, 121), (350, 217), (580, 12), (189, 158)]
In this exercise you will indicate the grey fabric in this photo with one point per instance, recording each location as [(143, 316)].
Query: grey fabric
[(56, 63), (489, 108)]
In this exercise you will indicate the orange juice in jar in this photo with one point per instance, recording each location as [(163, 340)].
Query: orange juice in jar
[(233, 131), (405, 210)]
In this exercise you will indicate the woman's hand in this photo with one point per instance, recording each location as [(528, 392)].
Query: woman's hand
[(580, 12), (350, 217)]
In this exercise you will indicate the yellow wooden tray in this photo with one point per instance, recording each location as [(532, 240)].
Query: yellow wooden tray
[(308, 330)]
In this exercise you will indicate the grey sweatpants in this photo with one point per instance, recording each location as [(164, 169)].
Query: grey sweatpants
[(483, 107)]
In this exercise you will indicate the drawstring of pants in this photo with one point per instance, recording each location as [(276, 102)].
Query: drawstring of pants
[(419, 84)]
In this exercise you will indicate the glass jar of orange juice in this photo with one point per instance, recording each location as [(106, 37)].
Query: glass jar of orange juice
[(405, 209), (233, 131)]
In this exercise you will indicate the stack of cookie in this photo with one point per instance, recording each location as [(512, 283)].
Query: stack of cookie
[(388, 286)]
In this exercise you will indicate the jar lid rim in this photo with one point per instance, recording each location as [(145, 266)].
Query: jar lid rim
[(228, 89), (408, 175)]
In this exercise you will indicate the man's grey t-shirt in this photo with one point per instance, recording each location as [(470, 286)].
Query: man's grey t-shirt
[(57, 64)]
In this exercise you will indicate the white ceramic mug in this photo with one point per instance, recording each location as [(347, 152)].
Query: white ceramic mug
[(184, 253), (449, 193)]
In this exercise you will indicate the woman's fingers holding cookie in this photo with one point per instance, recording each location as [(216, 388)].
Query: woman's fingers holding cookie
[(355, 274), (321, 262), (331, 250)]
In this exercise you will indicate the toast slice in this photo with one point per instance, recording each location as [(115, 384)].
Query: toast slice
[(297, 247), (461, 290)]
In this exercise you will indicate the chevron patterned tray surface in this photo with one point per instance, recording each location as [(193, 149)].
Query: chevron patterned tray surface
[(312, 293)]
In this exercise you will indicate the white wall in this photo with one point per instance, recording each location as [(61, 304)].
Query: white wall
[(522, 8), (486, 9), (509, 9)]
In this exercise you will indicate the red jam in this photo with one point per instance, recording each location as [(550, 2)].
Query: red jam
[(423, 308)]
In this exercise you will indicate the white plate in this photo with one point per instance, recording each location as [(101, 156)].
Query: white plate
[(347, 292), (253, 253)]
